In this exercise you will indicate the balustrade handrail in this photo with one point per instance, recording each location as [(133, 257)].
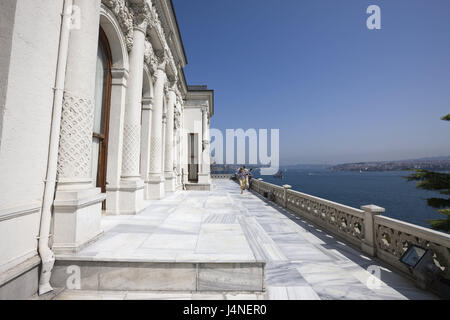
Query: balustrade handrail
[(376, 235), (418, 231), (272, 185), (357, 212)]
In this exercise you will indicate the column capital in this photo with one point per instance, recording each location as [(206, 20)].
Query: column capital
[(141, 14), (172, 82), (161, 59), (205, 111), (160, 75), (179, 99), (124, 17)]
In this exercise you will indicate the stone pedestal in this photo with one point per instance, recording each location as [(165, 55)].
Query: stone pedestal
[(286, 187), (368, 245), (78, 203), (77, 218)]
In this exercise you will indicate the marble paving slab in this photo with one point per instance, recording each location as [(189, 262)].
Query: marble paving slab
[(302, 260)]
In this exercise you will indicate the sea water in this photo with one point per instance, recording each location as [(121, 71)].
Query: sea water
[(387, 189)]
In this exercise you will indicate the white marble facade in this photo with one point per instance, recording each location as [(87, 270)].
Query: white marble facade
[(151, 116)]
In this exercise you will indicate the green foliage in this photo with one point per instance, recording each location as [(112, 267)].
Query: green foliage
[(438, 203), (445, 211), (429, 180), (435, 181), (441, 224)]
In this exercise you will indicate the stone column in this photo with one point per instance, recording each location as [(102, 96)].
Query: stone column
[(185, 151), (78, 203), (177, 158), (368, 245), (169, 149), (204, 176), (155, 177), (163, 145), (177, 121), (131, 185), (147, 110)]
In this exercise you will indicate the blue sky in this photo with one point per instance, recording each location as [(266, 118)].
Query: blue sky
[(337, 91)]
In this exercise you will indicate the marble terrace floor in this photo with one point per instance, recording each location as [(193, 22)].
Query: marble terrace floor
[(302, 261)]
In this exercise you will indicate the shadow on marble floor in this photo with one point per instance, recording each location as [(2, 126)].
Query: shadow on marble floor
[(347, 257)]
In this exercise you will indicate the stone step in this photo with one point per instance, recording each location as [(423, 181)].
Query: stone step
[(109, 275), (198, 187), (151, 295)]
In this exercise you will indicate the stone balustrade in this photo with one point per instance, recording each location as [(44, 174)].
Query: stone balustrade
[(365, 228), (392, 238)]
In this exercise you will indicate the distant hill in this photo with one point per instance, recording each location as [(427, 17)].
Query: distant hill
[(307, 167), (431, 163)]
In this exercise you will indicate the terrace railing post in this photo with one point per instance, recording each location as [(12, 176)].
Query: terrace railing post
[(368, 245), (259, 185), (286, 187)]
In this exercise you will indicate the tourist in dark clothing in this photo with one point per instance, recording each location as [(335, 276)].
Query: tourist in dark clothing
[(250, 177)]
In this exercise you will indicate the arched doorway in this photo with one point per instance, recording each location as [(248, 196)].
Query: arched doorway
[(101, 112)]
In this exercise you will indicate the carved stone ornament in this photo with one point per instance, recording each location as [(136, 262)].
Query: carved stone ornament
[(150, 57), (141, 14), (177, 119), (74, 159), (124, 17)]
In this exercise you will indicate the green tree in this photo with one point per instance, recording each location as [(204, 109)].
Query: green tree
[(435, 181)]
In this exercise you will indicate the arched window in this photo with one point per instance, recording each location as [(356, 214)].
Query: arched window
[(101, 112)]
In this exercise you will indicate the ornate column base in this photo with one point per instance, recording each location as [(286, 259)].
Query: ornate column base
[(155, 188), (126, 199), (204, 178), (178, 179), (170, 182), (77, 218)]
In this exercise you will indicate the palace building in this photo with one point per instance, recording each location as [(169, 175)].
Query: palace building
[(96, 119), (106, 190)]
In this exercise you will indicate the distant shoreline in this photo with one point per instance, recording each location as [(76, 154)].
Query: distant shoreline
[(432, 165)]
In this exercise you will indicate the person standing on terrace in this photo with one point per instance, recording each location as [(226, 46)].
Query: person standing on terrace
[(242, 177)]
